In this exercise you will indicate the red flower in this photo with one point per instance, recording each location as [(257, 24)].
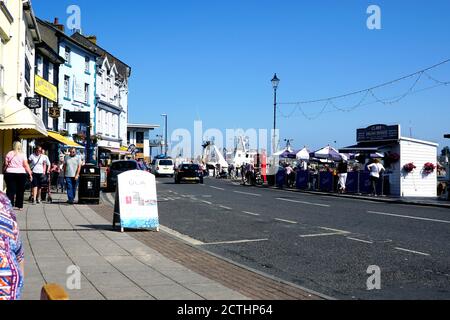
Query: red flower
[(409, 167), (429, 167)]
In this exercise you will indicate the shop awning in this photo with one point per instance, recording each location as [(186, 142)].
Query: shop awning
[(116, 151), (64, 140), (365, 147), (19, 117)]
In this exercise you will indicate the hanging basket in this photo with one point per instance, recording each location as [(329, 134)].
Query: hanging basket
[(428, 168), (409, 167)]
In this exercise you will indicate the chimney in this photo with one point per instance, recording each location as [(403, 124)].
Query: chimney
[(92, 39), (57, 25)]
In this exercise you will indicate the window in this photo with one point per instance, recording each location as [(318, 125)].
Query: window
[(86, 64), (27, 71), (67, 54), (45, 70), (128, 137), (66, 87), (64, 119), (86, 93), (139, 137), (45, 106), (39, 66)]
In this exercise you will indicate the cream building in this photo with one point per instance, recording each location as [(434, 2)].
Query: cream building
[(18, 34)]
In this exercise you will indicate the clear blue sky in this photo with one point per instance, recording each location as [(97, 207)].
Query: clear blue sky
[(213, 60)]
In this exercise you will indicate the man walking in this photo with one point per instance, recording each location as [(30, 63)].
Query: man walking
[(72, 168)]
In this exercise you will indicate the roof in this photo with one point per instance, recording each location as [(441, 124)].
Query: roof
[(51, 31), (419, 141), (122, 68), (363, 147)]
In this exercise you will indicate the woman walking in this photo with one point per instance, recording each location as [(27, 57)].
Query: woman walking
[(11, 253), (16, 172), (40, 166)]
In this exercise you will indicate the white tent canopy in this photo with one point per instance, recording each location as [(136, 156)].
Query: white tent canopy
[(303, 154), (329, 153)]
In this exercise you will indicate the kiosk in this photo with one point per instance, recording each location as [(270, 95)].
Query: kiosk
[(398, 153)]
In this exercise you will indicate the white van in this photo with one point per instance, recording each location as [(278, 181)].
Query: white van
[(163, 167)]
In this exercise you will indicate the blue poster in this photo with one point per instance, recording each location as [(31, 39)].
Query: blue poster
[(326, 181), (281, 178), (302, 179)]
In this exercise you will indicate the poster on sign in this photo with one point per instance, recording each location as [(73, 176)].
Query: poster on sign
[(136, 204)]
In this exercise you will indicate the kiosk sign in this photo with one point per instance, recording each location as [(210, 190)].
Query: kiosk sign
[(136, 201), (378, 132)]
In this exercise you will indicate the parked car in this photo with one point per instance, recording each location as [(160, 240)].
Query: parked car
[(189, 172), (163, 167), (118, 167)]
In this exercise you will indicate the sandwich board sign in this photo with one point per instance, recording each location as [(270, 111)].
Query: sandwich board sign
[(136, 203)]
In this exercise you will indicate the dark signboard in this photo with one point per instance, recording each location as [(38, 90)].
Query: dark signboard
[(78, 117), (33, 103), (54, 112), (378, 132)]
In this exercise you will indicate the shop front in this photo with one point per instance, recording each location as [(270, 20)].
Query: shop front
[(17, 122)]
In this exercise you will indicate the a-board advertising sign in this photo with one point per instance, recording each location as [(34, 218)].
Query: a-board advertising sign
[(136, 203)]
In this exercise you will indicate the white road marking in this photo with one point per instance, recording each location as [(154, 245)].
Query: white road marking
[(181, 236), (305, 202), (359, 240), (287, 221), (321, 235), (408, 217), (217, 188), (248, 193), (251, 213), (226, 208), (207, 202), (235, 242), (335, 230), (412, 251)]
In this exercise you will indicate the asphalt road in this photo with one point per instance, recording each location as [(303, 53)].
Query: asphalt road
[(322, 243)]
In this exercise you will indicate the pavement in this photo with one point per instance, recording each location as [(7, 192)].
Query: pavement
[(60, 239)]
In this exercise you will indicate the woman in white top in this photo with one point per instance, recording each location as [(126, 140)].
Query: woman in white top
[(375, 169)]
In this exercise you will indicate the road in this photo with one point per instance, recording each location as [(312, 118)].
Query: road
[(325, 244)]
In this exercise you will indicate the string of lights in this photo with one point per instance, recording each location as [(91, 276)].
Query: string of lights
[(365, 94)]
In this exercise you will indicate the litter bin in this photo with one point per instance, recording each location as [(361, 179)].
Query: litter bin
[(89, 185)]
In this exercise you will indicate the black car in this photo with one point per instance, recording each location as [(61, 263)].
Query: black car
[(118, 167), (189, 172)]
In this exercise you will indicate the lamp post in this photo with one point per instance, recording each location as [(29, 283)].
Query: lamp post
[(165, 139), (275, 82)]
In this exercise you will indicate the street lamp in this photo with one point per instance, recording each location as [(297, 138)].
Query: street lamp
[(165, 139), (275, 83)]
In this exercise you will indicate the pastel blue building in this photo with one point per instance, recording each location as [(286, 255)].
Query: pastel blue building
[(77, 81)]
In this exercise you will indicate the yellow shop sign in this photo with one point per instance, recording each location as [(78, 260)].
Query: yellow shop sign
[(45, 89)]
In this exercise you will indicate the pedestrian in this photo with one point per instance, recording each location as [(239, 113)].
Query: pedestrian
[(290, 175), (61, 183), (342, 171), (375, 169), (11, 253), (16, 170), (39, 165), (72, 168)]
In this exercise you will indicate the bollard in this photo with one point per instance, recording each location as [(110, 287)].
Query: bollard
[(53, 292)]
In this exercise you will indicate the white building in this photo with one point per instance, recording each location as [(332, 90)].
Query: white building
[(138, 135), (111, 96)]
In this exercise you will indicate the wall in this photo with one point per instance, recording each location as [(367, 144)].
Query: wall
[(417, 184)]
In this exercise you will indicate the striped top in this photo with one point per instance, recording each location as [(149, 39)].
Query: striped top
[(11, 252)]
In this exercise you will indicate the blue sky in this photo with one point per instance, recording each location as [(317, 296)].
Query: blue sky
[(213, 61)]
